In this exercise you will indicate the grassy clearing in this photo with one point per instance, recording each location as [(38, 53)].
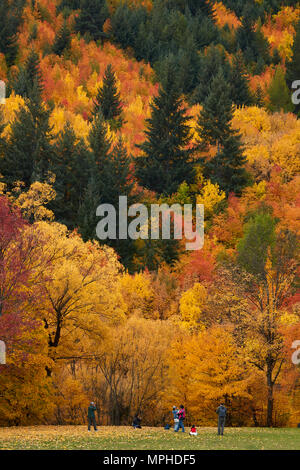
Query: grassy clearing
[(123, 438)]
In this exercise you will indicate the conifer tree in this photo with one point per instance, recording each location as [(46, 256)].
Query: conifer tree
[(29, 81), (115, 175), (279, 94), (214, 121), (90, 21), (28, 151), (63, 40), (293, 67), (99, 141), (108, 98), (166, 160), (210, 63), (250, 38), (72, 166), (11, 19), (106, 184), (204, 7), (239, 81), (214, 127), (87, 220)]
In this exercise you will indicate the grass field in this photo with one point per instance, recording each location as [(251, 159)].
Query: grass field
[(124, 438)]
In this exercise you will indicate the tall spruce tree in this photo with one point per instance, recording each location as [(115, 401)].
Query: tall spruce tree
[(72, 166), (214, 127), (210, 62), (250, 39), (62, 40), (29, 81), (99, 141), (87, 220), (11, 19), (28, 151), (166, 160), (92, 16), (239, 81), (293, 67), (106, 184), (279, 94), (108, 100), (203, 7)]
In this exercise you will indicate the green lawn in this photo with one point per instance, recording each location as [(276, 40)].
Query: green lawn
[(122, 438)]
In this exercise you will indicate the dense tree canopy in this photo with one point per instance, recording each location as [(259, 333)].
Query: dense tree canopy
[(166, 102)]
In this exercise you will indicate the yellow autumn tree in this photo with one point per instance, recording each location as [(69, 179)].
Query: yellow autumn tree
[(192, 303), (205, 369), (80, 285), (138, 294), (211, 196)]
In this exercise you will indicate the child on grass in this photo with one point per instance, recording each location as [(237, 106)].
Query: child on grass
[(193, 431)]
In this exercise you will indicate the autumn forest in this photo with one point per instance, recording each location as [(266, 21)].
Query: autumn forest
[(162, 101)]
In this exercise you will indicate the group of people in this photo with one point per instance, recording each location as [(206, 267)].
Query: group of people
[(178, 417)]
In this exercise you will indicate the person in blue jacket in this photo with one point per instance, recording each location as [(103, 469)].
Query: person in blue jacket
[(221, 412)]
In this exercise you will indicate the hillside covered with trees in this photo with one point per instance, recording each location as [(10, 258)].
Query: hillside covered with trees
[(162, 101)]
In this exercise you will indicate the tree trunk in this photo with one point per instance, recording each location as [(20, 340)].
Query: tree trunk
[(270, 397), (254, 417)]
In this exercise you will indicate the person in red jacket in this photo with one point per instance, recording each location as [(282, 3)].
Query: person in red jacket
[(181, 417), (193, 431)]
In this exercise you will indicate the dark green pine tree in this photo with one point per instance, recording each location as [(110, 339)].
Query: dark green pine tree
[(210, 62), (11, 19), (87, 220), (166, 161), (214, 121), (250, 39), (92, 16), (204, 7), (29, 80), (72, 166), (99, 141), (108, 100), (239, 81), (245, 34), (293, 67), (28, 151), (214, 127), (62, 40), (114, 179), (279, 94), (100, 146)]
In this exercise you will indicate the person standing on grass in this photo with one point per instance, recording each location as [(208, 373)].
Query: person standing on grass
[(221, 412), (175, 416), (91, 416), (181, 417)]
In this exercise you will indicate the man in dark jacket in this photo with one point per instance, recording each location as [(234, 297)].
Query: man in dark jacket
[(221, 412), (91, 416), (136, 423)]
